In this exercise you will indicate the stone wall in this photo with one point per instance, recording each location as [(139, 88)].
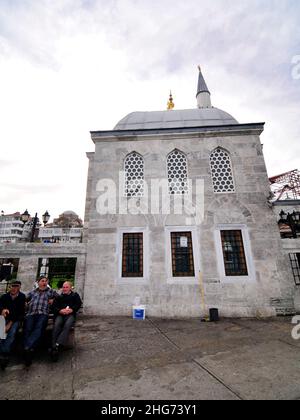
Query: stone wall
[(29, 254), (270, 290)]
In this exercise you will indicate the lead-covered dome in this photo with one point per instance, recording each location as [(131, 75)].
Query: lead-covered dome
[(198, 117)]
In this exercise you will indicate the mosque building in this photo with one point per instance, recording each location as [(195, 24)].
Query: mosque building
[(178, 215)]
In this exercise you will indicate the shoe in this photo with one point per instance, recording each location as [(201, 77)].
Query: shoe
[(4, 360), (28, 358)]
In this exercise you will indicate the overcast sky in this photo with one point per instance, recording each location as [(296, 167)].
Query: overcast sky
[(68, 67)]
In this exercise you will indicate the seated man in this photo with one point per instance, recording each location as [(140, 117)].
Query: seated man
[(36, 319), (65, 308), (12, 307)]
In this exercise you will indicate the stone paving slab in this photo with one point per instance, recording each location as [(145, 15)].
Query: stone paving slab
[(268, 371), (41, 381), (121, 358), (183, 381), (121, 350)]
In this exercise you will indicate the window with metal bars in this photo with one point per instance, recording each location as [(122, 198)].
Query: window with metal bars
[(58, 270), (234, 253), (295, 263), (182, 254), (132, 256)]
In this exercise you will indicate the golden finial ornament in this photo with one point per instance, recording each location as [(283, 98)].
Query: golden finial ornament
[(171, 104)]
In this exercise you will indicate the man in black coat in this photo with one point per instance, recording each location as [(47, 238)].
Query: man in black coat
[(65, 308), (12, 307)]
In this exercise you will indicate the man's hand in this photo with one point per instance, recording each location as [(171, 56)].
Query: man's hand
[(8, 326), (66, 311), (5, 312), (50, 301)]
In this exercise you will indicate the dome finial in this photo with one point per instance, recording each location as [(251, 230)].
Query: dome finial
[(170, 104)]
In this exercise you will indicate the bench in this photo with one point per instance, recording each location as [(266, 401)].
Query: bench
[(46, 341)]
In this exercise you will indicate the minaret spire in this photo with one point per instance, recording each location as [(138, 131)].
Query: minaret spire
[(203, 94)]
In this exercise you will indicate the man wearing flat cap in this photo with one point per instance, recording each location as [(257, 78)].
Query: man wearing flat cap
[(12, 307)]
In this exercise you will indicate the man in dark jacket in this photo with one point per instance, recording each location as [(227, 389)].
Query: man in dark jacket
[(12, 307), (65, 308)]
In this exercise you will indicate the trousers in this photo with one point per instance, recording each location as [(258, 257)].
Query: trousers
[(61, 329), (34, 328), (6, 345)]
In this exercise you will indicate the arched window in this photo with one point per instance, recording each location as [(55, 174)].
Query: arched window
[(177, 173), (221, 171), (134, 175)]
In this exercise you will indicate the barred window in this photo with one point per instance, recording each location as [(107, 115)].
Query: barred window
[(295, 263), (182, 254), (221, 171), (134, 175), (132, 255), (234, 253), (177, 173)]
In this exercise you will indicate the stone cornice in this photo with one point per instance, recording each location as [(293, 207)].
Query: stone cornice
[(90, 155), (41, 250), (173, 133)]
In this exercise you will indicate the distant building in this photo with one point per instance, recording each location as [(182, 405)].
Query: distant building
[(12, 229), (57, 234), (67, 228), (68, 219)]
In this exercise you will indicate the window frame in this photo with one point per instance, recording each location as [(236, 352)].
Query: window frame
[(142, 180), (187, 174), (133, 280), (295, 266), (232, 172), (194, 280), (139, 248), (189, 254), (251, 277), (237, 237)]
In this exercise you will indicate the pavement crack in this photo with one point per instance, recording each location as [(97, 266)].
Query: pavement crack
[(164, 334), (218, 379), (195, 361)]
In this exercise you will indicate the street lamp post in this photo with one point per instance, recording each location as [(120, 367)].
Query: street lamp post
[(25, 218), (292, 220)]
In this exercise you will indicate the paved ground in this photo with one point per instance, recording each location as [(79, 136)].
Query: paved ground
[(125, 359)]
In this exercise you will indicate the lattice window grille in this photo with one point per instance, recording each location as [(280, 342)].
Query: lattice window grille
[(134, 175), (177, 173), (221, 171)]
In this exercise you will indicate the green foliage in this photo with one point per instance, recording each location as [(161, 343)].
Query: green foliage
[(57, 282)]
